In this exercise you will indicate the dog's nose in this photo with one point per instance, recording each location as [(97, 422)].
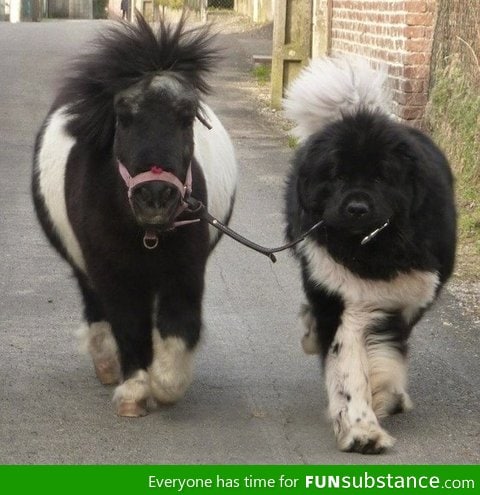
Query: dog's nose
[(357, 208)]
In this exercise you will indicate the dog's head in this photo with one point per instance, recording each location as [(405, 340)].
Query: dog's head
[(358, 174)]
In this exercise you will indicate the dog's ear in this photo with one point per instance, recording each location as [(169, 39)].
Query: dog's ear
[(304, 180), (412, 159)]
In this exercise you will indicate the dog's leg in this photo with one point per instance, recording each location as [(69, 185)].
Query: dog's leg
[(387, 362), (310, 342), (355, 424)]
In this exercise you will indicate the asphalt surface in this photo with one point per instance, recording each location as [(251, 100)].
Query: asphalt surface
[(256, 398)]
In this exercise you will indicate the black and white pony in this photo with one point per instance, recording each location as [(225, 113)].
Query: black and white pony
[(124, 143)]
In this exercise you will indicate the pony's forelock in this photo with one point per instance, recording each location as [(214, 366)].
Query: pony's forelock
[(123, 55)]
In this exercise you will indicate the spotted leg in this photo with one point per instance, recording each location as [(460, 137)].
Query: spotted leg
[(387, 361), (349, 389)]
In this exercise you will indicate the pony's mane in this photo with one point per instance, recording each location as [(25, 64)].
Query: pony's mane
[(123, 55)]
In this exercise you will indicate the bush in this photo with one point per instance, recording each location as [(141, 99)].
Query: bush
[(453, 117)]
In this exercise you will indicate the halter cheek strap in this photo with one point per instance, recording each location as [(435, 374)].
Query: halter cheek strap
[(156, 173)]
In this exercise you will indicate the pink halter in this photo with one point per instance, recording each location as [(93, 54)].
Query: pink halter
[(156, 173)]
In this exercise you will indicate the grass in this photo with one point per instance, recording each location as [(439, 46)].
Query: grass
[(262, 73), (292, 142), (453, 118)]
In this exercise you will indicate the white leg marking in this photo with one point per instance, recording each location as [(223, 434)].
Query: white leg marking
[(98, 340), (131, 396), (388, 377), (171, 369), (350, 397), (51, 166)]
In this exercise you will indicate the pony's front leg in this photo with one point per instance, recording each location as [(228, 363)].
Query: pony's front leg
[(179, 321), (131, 320)]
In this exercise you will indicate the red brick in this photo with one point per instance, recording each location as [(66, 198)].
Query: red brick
[(414, 32), (425, 19), (418, 45), (410, 99), (415, 58), (415, 6), (416, 71), (408, 85), (410, 113)]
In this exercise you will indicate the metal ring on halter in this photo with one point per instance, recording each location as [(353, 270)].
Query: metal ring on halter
[(150, 240)]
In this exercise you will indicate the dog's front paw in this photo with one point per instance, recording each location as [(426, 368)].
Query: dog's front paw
[(365, 439)]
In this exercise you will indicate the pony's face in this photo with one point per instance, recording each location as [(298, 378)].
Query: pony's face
[(154, 128)]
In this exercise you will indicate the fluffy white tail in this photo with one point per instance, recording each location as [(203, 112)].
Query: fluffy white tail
[(331, 87)]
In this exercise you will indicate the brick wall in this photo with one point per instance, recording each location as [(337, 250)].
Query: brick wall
[(395, 33)]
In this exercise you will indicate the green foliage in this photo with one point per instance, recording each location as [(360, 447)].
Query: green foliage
[(292, 142), (453, 116), (262, 73)]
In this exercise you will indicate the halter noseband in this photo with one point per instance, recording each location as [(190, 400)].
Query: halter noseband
[(150, 239)]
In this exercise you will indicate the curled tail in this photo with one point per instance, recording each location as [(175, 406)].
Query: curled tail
[(331, 87)]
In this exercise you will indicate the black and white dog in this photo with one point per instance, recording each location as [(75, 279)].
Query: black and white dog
[(385, 248)]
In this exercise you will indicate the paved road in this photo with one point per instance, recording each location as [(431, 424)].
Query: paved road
[(255, 398)]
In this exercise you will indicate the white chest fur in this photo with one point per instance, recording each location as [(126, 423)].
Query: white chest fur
[(407, 292)]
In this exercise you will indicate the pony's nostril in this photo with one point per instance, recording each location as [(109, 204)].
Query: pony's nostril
[(145, 195)]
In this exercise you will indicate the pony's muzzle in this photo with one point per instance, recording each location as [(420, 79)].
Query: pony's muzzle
[(155, 204)]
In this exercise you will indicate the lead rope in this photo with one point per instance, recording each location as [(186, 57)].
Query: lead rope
[(196, 206)]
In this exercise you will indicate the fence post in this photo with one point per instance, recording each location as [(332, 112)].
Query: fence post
[(322, 27), (292, 35), (203, 10)]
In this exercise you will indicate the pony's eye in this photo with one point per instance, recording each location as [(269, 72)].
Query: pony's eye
[(124, 118), (186, 119), (123, 112)]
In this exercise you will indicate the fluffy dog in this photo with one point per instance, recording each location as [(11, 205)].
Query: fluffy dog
[(386, 246)]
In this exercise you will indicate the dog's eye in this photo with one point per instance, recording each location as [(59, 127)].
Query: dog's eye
[(378, 180), (342, 178)]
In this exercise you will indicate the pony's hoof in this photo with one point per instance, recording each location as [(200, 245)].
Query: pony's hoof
[(108, 371), (131, 409)]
